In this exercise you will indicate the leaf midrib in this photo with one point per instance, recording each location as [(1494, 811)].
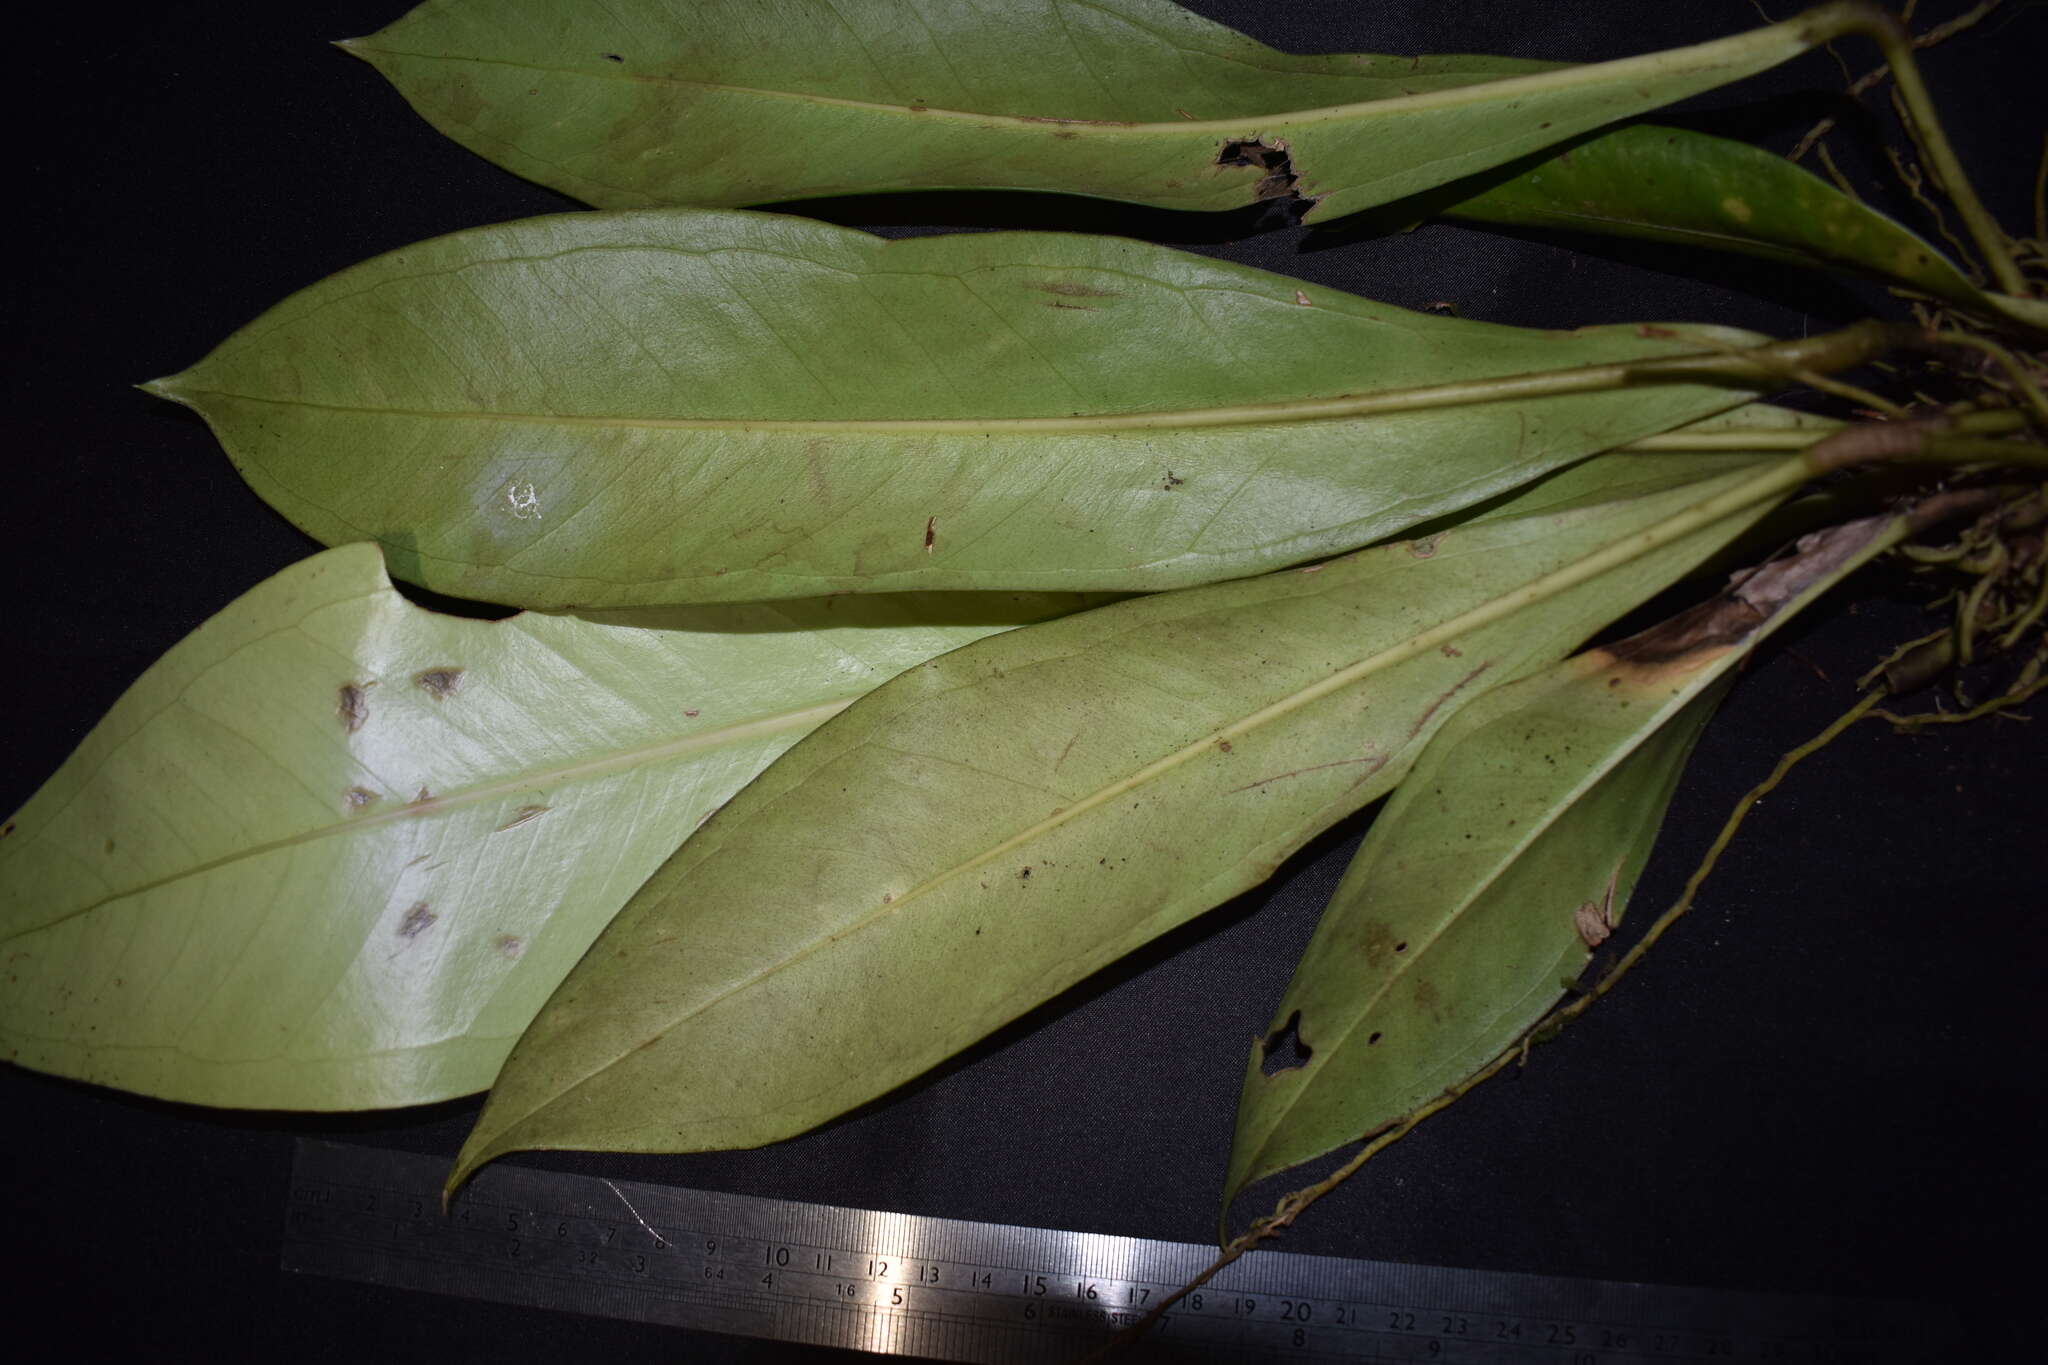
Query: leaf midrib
[(1501, 388), (620, 760), (1389, 657), (1502, 864)]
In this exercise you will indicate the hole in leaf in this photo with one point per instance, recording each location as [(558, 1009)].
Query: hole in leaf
[(1374, 1039), (1284, 1048)]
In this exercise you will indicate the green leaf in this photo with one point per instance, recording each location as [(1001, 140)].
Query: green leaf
[(611, 409), (975, 836), (1466, 907), (1690, 189), (333, 851), (732, 102)]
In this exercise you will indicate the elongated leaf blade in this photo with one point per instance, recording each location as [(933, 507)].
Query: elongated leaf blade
[(1691, 189), (734, 102), (1467, 906), (333, 851), (617, 409), (974, 837)]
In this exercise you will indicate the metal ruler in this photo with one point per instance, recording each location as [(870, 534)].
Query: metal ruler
[(948, 1290)]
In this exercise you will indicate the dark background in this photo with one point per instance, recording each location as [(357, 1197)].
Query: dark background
[(1819, 1083)]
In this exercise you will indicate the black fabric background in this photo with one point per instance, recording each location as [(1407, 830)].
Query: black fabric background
[(1821, 1082)]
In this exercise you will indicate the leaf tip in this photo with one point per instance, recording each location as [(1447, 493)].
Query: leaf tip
[(166, 387)]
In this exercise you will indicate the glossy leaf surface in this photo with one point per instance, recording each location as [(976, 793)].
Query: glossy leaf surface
[(979, 834), (1510, 848), (1690, 189), (734, 102), (333, 851), (617, 409)]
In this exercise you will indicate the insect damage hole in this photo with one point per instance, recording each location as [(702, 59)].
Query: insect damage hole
[(1284, 1049), (1279, 179)]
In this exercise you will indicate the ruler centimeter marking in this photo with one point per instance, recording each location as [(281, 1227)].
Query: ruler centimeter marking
[(944, 1289)]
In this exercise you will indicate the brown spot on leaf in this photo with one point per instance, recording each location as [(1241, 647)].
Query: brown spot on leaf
[(1071, 290), (1302, 299), (1023, 874), (417, 921), (521, 816), (1376, 942), (422, 799), (1590, 919), (352, 704), (1651, 332), (1224, 745), (439, 683), (690, 711), (356, 798), (1452, 652), (931, 534), (1172, 480), (1425, 547), (511, 946)]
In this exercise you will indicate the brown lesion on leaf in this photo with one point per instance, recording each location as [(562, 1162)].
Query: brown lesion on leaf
[(1751, 598), (1590, 919), (439, 683), (521, 816), (1279, 179), (416, 921), (352, 704), (1377, 944), (511, 947), (358, 798), (931, 534), (1171, 482)]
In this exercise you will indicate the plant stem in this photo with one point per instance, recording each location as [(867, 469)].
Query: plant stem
[(1897, 46)]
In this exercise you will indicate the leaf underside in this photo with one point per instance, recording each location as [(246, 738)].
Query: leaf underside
[(333, 851), (977, 835), (1509, 849), (617, 409)]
